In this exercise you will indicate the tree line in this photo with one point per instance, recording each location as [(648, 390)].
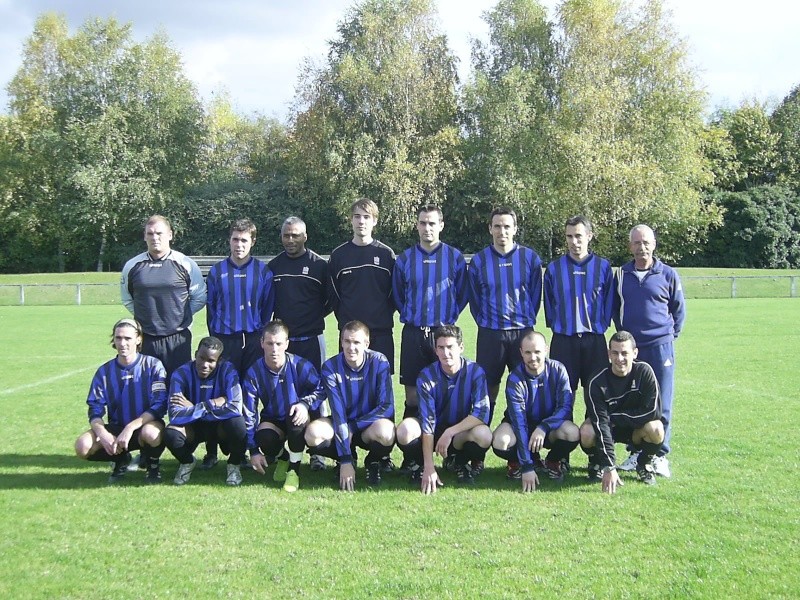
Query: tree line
[(592, 110)]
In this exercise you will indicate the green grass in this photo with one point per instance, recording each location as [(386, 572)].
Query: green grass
[(727, 524)]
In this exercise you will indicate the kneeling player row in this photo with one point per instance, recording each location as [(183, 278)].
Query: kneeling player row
[(278, 406)]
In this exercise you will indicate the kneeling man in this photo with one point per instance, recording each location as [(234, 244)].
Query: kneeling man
[(453, 414), (359, 386), (539, 405), (288, 387), (623, 406), (131, 388), (205, 404)]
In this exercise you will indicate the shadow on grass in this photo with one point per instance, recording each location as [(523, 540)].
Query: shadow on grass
[(58, 471)]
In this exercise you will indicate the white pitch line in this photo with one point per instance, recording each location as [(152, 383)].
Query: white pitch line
[(28, 386)]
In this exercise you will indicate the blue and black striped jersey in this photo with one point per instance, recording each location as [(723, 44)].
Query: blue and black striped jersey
[(223, 382), (358, 397), (430, 289), (445, 401), (296, 382), (543, 401), (578, 296), (240, 299), (125, 392), (505, 290)]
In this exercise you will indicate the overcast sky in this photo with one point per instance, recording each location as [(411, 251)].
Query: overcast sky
[(254, 48)]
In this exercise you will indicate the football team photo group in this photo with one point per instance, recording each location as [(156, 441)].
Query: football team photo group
[(261, 390)]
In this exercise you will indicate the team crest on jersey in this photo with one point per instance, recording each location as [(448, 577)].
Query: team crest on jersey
[(305, 270), (376, 260)]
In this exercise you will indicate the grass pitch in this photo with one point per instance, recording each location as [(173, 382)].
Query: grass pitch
[(726, 525)]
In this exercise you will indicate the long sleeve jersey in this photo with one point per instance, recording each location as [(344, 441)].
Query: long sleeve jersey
[(296, 382), (652, 310), (358, 397), (240, 298), (629, 401), (302, 297), (361, 284), (543, 401), (505, 289), (125, 392), (578, 296), (223, 382), (447, 400), (430, 288), (162, 294)]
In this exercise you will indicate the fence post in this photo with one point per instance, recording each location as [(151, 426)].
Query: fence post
[(21, 294), (793, 287), (733, 287), (78, 294)]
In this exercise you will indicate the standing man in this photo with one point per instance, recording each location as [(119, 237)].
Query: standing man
[(300, 280), (361, 278), (430, 289), (453, 414), (162, 288), (302, 301), (359, 386), (623, 405), (649, 304), (505, 293), (287, 387), (240, 303), (131, 390), (578, 297), (205, 402), (539, 407)]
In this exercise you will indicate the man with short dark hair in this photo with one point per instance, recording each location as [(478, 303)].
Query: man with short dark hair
[(430, 289), (578, 297), (240, 302), (162, 289), (649, 304), (539, 406), (453, 414), (623, 406), (300, 280), (505, 294), (205, 402), (302, 301), (359, 385), (131, 390), (361, 280), (288, 388)]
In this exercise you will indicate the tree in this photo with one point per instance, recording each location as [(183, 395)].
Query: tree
[(378, 119), (599, 114), (111, 130), (761, 230), (754, 142), (785, 123)]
